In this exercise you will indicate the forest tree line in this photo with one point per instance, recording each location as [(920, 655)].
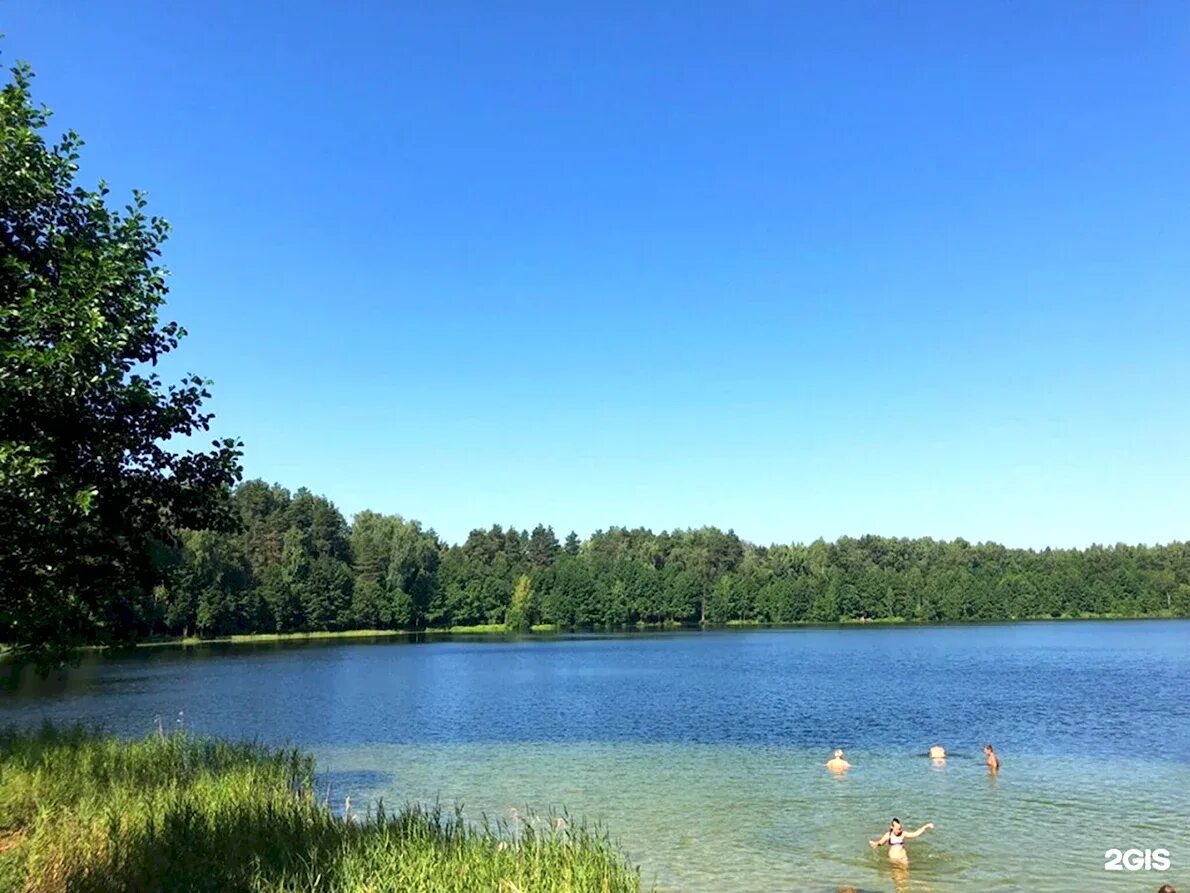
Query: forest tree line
[(108, 534), (296, 564)]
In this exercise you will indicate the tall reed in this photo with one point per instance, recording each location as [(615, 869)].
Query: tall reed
[(81, 811)]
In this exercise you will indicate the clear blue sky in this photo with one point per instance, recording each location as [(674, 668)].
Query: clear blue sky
[(797, 269)]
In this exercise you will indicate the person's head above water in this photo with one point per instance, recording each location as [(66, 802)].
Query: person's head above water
[(987, 748), (938, 752), (1167, 888), (895, 826), (838, 754)]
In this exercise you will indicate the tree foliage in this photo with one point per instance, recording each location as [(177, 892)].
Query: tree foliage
[(90, 487), (398, 574), (520, 611)]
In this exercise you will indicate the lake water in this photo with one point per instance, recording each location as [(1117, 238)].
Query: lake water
[(703, 752)]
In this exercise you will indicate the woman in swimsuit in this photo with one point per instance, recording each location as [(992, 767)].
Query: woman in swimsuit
[(895, 837)]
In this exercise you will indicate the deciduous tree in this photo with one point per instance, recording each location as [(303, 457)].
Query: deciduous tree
[(92, 474)]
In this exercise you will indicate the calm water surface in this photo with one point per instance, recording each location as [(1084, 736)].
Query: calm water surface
[(703, 752)]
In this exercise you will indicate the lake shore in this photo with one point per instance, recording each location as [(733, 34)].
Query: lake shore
[(82, 811), (552, 630), (496, 629)]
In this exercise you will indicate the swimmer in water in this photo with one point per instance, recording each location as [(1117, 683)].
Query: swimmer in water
[(895, 837), (993, 760), (937, 752), (837, 763)]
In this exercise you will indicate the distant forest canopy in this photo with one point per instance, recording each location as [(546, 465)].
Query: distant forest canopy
[(297, 565)]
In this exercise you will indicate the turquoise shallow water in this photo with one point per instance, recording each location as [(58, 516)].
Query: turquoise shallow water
[(703, 752), (732, 818)]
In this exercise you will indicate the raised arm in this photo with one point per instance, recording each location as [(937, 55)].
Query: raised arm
[(878, 843), (920, 831)]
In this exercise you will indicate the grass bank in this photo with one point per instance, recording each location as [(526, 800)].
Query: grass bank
[(80, 811), (497, 629), (249, 638), (260, 638)]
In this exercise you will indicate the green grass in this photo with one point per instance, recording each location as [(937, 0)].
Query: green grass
[(80, 811), (248, 638), (499, 628), (477, 628)]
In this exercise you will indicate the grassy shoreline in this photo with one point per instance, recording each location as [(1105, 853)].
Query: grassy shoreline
[(553, 629), (496, 629), (82, 811), (249, 638)]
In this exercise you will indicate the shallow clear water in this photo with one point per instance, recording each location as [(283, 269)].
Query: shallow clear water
[(703, 752)]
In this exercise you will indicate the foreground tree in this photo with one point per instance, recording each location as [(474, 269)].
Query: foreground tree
[(89, 489)]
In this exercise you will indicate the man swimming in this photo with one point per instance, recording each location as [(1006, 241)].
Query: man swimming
[(837, 763), (895, 837)]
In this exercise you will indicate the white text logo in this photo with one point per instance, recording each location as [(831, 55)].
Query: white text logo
[(1136, 860)]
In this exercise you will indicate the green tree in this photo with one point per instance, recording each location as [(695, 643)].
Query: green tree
[(520, 611), (616, 612), (411, 579), (372, 547), (543, 547), (287, 593), (327, 594), (88, 480), (212, 579)]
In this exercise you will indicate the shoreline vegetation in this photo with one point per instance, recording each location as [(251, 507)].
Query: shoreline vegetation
[(83, 811), (293, 567), (542, 629), (549, 629)]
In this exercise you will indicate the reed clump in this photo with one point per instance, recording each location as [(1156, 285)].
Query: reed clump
[(81, 811)]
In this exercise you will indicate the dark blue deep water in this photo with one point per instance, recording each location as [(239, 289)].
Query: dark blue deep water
[(1075, 688)]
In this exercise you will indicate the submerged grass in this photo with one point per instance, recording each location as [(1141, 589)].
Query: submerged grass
[(80, 811)]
